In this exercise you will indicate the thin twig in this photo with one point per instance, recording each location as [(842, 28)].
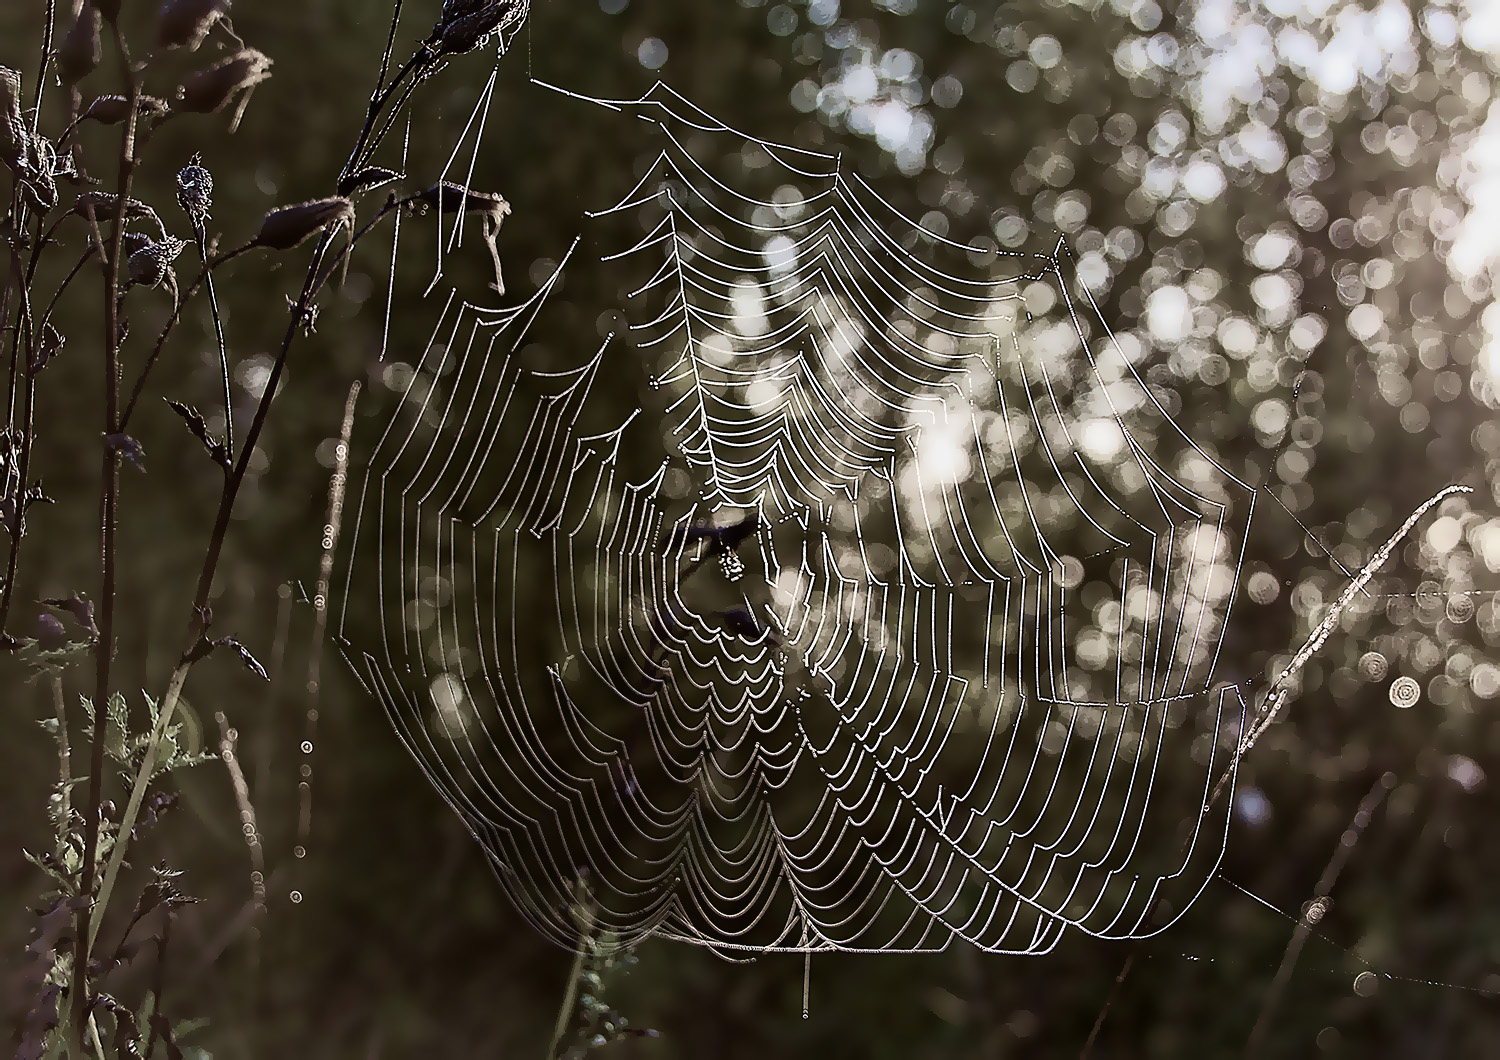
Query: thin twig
[(41, 69), (1280, 691), (21, 353), (1103, 1012), (248, 825), (64, 755), (109, 499), (159, 980), (1315, 909), (213, 305)]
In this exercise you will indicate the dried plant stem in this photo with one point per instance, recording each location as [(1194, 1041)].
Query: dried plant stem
[(331, 526), (1114, 992), (228, 738), (108, 506), (1315, 909), (48, 29), (64, 755), (213, 304), (1279, 692), (159, 979), (20, 348)]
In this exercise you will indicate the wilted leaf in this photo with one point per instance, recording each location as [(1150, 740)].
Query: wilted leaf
[(74, 604), (195, 423)]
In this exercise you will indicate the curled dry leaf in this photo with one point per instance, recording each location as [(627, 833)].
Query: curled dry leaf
[(184, 23), (287, 226), (80, 51), (113, 109), (211, 88), (196, 424)]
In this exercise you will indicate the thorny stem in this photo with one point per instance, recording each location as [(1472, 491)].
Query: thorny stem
[(108, 505)]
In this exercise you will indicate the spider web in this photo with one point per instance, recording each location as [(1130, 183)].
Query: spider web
[(852, 592)]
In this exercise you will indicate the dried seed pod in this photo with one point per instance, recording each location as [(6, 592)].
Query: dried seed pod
[(211, 88), (102, 203), (80, 51), (152, 264), (112, 110), (466, 24), (184, 23), (286, 226), (195, 191)]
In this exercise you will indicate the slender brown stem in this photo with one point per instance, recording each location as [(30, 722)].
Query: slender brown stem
[(108, 510), (159, 980), (1313, 913), (1114, 990), (41, 71), (64, 755), (20, 353), (213, 305)]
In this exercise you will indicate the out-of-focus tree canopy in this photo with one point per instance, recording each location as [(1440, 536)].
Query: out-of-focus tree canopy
[(1284, 212)]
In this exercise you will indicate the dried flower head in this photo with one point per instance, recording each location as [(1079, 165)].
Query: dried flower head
[(112, 110), (287, 226), (209, 89), (195, 191), (466, 24), (80, 51), (151, 265), (184, 23)]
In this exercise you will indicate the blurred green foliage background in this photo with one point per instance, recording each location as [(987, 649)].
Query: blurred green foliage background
[(1287, 206)]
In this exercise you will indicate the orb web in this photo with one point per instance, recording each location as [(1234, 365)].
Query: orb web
[(852, 591)]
